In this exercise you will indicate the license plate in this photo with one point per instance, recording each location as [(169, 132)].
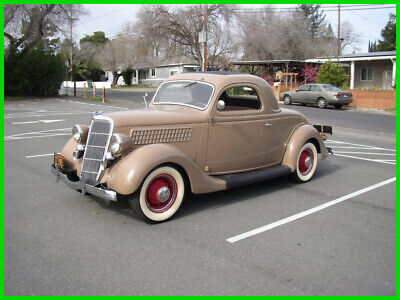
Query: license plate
[(58, 160), (345, 96)]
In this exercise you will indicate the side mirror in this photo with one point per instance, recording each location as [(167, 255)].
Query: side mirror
[(220, 104)]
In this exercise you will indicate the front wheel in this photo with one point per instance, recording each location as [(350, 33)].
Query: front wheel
[(306, 163), (322, 103), (160, 195)]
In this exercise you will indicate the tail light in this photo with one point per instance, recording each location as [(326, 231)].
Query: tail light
[(337, 95)]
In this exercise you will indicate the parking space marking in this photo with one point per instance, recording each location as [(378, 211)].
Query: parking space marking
[(310, 211), (39, 155), (38, 134), (36, 122), (119, 107), (368, 159), (362, 152)]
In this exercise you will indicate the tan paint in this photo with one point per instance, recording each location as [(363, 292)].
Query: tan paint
[(127, 174), (299, 137)]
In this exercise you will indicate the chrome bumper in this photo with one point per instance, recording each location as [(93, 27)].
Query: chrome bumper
[(107, 195)]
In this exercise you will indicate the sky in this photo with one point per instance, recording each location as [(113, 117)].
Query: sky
[(110, 18)]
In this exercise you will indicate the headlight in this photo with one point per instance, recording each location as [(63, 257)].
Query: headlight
[(79, 133), (116, 142)]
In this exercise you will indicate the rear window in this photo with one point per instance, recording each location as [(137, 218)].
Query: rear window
[(330, 87)]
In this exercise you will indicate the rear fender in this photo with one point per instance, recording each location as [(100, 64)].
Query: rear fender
[(300, 136), (126, 175)]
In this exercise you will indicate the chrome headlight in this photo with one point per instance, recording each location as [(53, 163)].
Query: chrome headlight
[(119, 144), (116, 143), (79, 133)]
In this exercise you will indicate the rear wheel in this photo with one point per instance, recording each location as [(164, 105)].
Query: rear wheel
[(306, 163), (338, 106), (160, 195), (287, 100), (321, 103)]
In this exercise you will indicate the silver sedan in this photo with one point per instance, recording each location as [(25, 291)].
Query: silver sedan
[(318, 93)]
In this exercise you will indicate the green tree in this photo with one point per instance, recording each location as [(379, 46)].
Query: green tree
[(331, 73), (127, 75), (36, 72), (315, 17), (98, 38), (388, 34)]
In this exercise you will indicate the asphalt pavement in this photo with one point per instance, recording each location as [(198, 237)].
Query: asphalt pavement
[(335, 235)]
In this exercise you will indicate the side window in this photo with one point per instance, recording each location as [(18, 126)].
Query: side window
[(314, 88), (304, 88), (240, 98)]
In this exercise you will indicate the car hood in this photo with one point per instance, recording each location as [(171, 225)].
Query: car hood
[(156, 115)]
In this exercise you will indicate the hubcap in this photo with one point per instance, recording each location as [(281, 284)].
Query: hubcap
[(161, 193), (305, 162)]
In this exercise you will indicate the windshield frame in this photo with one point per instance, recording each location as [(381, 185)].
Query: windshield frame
[(183, 104)]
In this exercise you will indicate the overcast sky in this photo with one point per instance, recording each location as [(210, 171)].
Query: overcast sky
[(110, 18)]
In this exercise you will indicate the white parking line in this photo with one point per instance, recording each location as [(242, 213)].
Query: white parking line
[(367, 159), (38, 134), (307, 212), (339, 142), (39, 155), (369, 153), (119, 107)]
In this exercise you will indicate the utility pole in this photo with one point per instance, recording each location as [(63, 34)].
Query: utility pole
[(71, 43), (338, 35), (205, 42)]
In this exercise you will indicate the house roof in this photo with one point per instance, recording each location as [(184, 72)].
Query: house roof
[(266, 62), (357, 57)]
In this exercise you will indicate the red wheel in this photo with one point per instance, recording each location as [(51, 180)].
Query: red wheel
[(306, 163), (160, 195)]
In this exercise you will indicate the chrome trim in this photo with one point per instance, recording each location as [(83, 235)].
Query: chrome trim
[(182, 104), (105, 194), (99, 117)]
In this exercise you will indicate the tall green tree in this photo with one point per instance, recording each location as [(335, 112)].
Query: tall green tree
[(316, 18), (388, 41), (98, 38)]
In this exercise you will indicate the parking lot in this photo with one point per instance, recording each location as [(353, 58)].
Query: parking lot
[(334, 235)]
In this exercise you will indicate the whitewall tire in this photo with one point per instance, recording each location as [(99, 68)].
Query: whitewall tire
[(306, 163), (160, 195)]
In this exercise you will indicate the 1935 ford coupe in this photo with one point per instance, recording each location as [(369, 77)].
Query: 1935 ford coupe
[(202, 132)]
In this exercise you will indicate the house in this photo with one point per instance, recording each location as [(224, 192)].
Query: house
[(373, 70), (154, 75)]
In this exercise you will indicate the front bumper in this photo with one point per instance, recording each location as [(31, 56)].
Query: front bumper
[(78, 185)]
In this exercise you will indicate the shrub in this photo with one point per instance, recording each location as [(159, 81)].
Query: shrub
[(331, 73), (127, 75), (36, 72)]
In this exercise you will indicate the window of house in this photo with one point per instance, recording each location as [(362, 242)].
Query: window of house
[(153, 72), (366, 74), (173, 72), (240, 98)]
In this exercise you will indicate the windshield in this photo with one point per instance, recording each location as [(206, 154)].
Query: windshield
[(330, 87), (189, 93)]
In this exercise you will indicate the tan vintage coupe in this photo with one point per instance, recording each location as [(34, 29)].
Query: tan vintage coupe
[(202, 132)]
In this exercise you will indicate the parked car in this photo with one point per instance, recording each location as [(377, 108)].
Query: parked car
[(318, 93), (202, 132)]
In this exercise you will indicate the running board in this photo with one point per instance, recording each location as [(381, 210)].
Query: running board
[(239, 179)]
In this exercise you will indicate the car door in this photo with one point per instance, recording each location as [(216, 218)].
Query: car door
[(241, 137), (300, 94), (313, 94)]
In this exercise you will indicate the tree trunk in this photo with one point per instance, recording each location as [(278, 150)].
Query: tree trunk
[(115, 78)]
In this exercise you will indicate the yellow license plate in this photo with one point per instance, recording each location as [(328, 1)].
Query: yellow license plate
[(58, 160)]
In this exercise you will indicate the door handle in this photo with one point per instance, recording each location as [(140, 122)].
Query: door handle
[(267, 124)]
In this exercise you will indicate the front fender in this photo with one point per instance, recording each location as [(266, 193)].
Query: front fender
[(126, 175), (299, 137)]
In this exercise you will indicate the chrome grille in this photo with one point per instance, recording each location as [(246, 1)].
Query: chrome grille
[(96, 146)]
